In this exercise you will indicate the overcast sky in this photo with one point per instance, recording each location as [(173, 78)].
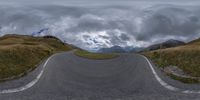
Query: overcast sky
[(99, 2), (93, 24)]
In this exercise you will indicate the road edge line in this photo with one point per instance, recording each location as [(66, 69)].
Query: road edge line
[(163, 83), (166, 85), (30, 84)]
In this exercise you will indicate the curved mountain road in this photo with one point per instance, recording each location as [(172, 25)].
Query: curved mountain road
[(68, 77)]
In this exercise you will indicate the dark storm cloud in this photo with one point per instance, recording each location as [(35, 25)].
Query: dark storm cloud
[(14, 20), (170, 22), (95, 27), (104, 37), (124, 37), (56, 10)]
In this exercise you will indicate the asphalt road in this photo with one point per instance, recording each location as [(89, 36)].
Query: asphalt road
[(68, 77)]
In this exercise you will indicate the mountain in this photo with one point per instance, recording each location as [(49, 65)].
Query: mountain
[(196, 41), (119, 49), (167, 44), (137, 49), (114, 49), (129, 49)]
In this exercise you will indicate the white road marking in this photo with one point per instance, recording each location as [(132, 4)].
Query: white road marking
[(164, 84), (29, 85), (32, 83)]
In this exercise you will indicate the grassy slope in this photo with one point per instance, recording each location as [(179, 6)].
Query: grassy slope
[(96, 56), (186, 57), (21, 54)]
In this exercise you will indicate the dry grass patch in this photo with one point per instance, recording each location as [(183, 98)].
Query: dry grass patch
[(20, 54), (185, 57)]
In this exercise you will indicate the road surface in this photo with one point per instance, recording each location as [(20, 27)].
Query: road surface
[(128, 77)]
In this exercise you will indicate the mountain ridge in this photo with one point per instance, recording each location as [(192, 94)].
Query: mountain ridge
[(118, 49)]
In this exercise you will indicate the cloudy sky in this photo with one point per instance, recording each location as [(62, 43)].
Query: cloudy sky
[(93, 24)]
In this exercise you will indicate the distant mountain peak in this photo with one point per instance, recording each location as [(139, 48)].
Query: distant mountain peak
[(167, 44), (173, 41), (113, 49), (119, 49)]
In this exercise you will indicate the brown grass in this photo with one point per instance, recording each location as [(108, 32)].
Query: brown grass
[(186, 57), (20, 54)]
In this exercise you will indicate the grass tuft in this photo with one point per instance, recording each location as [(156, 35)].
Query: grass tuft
[(184, 79)]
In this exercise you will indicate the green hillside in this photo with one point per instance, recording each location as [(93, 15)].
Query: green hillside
[(20, 54), (186, 57)]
